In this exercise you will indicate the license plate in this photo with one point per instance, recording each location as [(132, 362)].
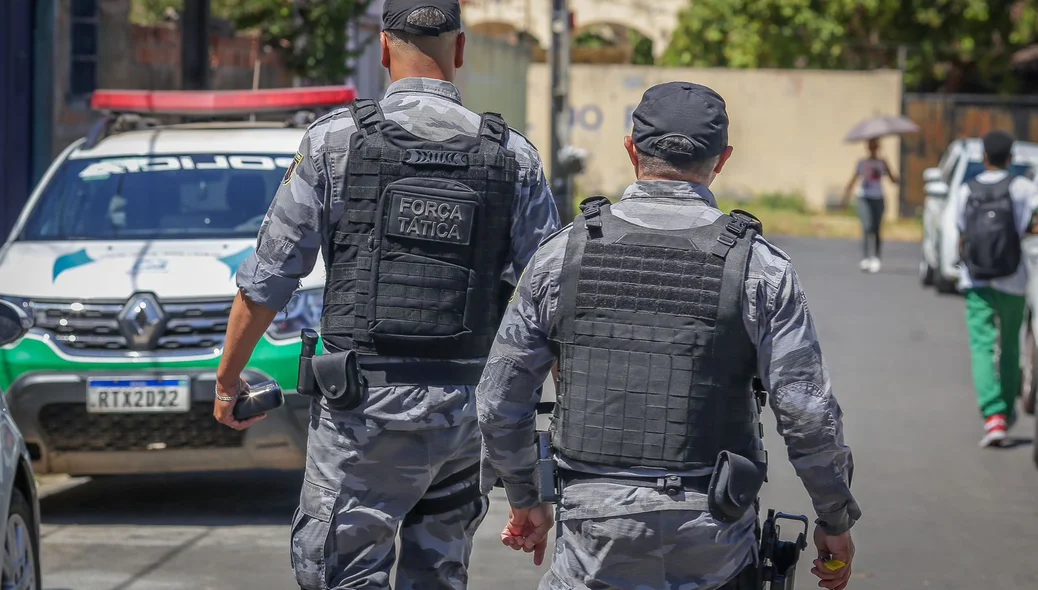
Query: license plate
[(126, 396)]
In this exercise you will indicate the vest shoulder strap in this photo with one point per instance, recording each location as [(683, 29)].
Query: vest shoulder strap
[(733, 228), (492, 127), (751, 220), (367, 114), (591, 210)]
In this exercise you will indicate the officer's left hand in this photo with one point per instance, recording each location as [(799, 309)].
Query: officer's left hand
[(527, 529), (838, 547), (224, 411)]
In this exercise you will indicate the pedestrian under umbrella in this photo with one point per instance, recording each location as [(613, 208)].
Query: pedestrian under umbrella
[(871, 202)]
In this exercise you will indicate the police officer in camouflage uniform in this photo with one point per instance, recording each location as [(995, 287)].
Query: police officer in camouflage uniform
[(661, 310), (420, 208)]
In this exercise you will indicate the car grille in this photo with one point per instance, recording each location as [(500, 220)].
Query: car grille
[(69, 427), (94, 327)]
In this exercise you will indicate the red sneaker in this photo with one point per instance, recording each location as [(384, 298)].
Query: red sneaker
[(994, 431)]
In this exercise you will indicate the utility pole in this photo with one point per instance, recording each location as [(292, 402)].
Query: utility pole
[(194, 45), (561, 184)]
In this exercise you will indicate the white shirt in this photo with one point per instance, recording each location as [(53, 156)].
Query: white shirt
[(872, 172), (1024, 194)]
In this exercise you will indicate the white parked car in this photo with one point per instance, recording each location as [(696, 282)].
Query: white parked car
[(125, 257), (962, 161)]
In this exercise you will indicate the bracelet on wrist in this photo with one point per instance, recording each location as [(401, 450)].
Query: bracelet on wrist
[(225, 399)]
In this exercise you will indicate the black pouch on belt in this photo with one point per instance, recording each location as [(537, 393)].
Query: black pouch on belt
[(734, 486), (339, 379)]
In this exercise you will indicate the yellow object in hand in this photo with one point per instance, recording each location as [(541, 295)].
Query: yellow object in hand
[(834, 565)]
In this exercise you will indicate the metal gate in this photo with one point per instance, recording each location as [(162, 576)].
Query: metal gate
[(946, 117), (16, 91)]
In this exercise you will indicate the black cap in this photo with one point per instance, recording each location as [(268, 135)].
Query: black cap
[(396, 12), (998, 147), (681, 110)]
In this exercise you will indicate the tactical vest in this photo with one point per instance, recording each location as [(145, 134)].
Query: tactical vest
[(656, 367), (414, 267)]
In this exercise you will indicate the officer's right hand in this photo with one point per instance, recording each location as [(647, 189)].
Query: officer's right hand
[(224, 411), (527, 529), (833, 547)]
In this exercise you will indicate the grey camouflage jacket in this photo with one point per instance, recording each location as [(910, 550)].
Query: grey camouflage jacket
[(298, 224), (775, 313)]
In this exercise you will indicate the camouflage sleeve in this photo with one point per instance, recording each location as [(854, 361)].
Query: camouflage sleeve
[(508, 393), (534, 214), (809, 417), (289, 240)]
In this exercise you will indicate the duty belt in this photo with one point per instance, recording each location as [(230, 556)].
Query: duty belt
[(434, 373), (671, 484)]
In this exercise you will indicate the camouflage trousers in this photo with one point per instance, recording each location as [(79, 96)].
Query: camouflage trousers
[(663, 548), (361, 485)]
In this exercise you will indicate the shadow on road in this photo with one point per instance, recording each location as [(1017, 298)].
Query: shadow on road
[(185, 499), (1013, 442)]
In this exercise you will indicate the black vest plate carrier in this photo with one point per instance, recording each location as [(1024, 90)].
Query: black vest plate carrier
[(414, 267), (656, 367)]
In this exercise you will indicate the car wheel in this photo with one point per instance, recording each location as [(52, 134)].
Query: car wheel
[(1028, 366), (942, 284), (925, 273), (21, 564), (1035, 451)]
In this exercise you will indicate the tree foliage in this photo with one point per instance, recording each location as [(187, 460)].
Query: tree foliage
[(946, 42), (312, 35)]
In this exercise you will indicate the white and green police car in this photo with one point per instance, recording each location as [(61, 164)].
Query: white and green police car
[(126, 255)]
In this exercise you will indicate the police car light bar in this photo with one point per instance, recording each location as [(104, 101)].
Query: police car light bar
[(222, 102)]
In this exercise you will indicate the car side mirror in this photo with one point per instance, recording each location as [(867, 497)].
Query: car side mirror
[(932, 175), (14, 322), (937, 189)]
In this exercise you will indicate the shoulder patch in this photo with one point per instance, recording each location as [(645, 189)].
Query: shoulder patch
[(296, 161)]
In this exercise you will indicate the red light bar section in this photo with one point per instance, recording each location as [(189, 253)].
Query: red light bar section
[(222, 102)]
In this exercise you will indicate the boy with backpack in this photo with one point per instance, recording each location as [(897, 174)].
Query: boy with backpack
[(995, 211)]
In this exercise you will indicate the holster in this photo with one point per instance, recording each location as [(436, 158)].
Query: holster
[(747, 579), (547, 475), (335, 376), (734, 486)]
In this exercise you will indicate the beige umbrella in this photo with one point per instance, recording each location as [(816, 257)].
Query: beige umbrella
[(875, 127)]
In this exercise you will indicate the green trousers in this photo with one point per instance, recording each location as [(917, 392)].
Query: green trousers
[(994, 319)]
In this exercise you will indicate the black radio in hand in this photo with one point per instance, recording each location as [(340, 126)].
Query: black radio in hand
[(258, 399)]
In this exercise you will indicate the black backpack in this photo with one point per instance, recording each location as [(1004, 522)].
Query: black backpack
[(991, 241)]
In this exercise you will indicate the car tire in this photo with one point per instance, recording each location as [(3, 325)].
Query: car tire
[(21, 555), (926, 274), (943, 285), (1034, 453)]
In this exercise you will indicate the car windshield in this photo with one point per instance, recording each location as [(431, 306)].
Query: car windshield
[(214, 196), (975, 168)]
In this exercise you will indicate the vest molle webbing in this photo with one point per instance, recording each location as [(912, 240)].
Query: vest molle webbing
[(656, 366), (416, 260)]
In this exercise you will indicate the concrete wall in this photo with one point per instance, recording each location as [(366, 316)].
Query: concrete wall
[(787, 126), (494, 78)]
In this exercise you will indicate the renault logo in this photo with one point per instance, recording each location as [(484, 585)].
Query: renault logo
[(142, 322)]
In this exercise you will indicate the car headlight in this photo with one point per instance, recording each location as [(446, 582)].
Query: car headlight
[(303, 311)]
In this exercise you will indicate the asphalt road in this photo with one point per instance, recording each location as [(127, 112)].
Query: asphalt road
[(939, 512)]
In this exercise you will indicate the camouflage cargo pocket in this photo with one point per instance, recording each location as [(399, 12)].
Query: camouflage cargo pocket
[(310, 528)]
